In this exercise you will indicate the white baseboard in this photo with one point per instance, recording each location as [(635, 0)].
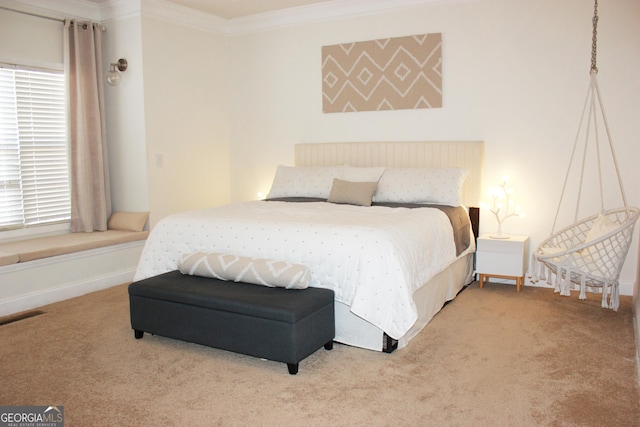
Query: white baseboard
[(626, 288)]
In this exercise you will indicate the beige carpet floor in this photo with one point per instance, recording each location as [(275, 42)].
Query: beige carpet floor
[(492, 357)]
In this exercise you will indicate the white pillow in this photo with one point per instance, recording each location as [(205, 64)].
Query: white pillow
[(545, 251), (421, 185), (258, 271), (364, 174), (601, 226), (127, 221), (551, 250), (304, 181)]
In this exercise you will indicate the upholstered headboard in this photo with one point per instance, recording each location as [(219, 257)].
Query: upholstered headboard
[(431, 154)]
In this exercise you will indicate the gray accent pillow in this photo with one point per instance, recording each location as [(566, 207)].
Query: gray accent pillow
[(352, 193)]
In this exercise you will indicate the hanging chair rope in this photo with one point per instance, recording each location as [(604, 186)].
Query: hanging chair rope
[(571, 159), (611, 148), (594, 86), (590, 111), (596, 134), (594, 39)]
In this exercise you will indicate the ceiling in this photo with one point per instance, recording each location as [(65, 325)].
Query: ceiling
[(230, 9)]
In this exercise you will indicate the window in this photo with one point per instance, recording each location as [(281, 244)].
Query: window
[(34, 165)]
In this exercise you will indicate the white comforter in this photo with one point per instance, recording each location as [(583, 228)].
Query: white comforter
[(372, 258)]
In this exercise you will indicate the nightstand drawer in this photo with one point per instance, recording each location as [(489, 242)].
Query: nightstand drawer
[(503, 264)]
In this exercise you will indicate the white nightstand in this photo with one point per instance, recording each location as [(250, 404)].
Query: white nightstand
[(502, 258)]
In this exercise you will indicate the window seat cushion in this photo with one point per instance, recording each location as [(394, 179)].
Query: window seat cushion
[(7, 258), (44, 247)]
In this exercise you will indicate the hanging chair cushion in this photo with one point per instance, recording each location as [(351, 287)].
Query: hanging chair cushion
[(551, 251), (601, 226)]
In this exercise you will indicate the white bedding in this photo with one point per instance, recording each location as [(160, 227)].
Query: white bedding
[(372, 258)]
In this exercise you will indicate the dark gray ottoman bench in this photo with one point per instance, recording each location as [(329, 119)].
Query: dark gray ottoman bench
[(284, 325)]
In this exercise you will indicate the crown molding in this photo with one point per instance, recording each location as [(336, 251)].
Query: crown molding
[(172, 12), (119, 9), (330, 10), (334, 9), (59, 9)]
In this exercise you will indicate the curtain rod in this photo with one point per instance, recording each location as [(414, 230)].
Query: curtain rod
[(50, 18)]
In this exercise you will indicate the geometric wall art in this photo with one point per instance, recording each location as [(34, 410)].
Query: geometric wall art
[(386, 74)]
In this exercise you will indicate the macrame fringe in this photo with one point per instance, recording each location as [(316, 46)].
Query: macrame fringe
[(604, 304), (562, 284), (534, 274), (566, 283), (614, 300), (583, 286)]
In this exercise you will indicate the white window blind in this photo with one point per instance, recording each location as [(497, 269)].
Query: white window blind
[(34, 166)]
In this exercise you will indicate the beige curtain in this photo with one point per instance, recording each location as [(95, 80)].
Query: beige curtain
[(90, 192)]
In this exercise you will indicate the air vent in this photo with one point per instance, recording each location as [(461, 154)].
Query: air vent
[(20, 316)]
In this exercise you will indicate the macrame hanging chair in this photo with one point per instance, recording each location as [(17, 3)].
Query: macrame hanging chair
[(590, 252)]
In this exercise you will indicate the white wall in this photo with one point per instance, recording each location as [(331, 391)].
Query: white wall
[(168, 119), (125, 116), (515, 75), (186, 117)]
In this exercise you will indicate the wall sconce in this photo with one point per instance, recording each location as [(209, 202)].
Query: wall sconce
[(502, 206), (113, 76)]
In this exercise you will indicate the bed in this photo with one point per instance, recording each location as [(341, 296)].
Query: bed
[(372, 257)]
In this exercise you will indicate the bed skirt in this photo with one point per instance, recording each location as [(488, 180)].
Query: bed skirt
[(429, 299)]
